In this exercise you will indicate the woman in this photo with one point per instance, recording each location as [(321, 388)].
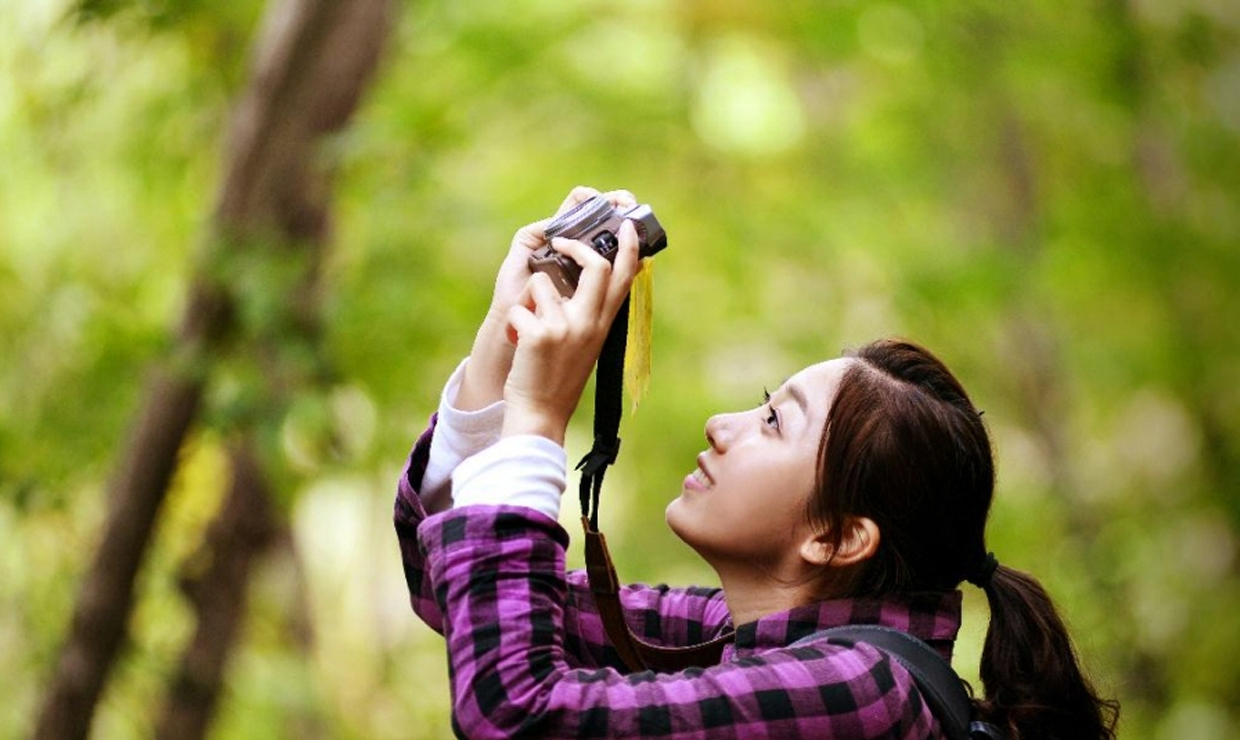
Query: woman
[(857, 493)]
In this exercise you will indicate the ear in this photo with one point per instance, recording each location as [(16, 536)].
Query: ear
[(859, 543)]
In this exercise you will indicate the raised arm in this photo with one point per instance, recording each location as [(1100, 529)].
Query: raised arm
[(659, 614)]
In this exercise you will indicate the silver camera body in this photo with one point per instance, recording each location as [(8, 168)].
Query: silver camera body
[(597, 223)]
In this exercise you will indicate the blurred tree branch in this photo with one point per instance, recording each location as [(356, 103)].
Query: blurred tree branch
[(242, 530), (312, 63)]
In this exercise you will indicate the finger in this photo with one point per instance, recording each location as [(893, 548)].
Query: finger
[(625, 267), (540, 299), (538, 294), (621, 199), (521, 322), (591, 285), (532, 236), (578, 194), (547, 301)]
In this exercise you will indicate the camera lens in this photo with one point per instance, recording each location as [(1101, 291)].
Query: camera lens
[(605, 243), (580, 219)]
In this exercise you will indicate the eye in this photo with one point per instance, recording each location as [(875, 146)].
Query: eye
[(772, 416)]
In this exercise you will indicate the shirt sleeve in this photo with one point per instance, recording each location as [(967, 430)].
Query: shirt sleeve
[(658, 614), (498, 574), (521, 470), (408, 512), (459, 435)]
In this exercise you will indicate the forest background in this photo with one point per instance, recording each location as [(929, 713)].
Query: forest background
[(1045, 193)]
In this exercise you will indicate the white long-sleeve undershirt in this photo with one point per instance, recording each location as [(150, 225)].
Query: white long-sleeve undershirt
[(471, 463)]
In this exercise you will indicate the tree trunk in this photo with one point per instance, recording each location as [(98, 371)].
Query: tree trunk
[(136, 493), (313, 60), (316, 63), (214, 583)]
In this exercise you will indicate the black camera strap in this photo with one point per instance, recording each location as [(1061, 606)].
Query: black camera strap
[(608, 406), (636, 654)]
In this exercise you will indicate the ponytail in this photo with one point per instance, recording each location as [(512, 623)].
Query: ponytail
[(904, 446), (1032, 680)]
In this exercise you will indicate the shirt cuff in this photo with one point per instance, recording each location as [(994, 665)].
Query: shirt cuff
[(458, 436), (522, 470)]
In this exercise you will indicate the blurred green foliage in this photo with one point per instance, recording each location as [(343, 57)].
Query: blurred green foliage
[(1044, 193)]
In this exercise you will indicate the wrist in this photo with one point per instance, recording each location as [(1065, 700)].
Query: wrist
[(519, 421), (487, 370)]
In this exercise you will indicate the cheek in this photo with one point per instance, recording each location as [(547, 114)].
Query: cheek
[(775, 518), (779, 509), (758, 516)]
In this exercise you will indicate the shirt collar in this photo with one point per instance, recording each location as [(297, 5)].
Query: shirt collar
[(930, 616)]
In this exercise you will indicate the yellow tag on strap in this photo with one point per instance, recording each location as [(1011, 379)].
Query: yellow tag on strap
[(641, 314)]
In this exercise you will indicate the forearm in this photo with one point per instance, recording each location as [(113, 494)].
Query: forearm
[(459, 434), (458, 443), (490, 361), (530, 471), (502, 621)]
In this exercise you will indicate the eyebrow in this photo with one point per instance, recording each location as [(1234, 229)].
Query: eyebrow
[(798, 396)]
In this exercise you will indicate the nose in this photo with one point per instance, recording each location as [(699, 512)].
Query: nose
[(719, 431)]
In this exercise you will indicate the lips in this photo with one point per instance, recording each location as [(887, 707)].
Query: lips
[(699, 479), (701, 468)]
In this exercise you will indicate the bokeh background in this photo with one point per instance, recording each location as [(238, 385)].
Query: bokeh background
[(1045, 193)]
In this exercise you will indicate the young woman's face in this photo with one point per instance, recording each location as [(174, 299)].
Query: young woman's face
[(745, 503)]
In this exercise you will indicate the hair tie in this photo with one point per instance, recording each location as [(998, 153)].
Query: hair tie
[(985, 572)]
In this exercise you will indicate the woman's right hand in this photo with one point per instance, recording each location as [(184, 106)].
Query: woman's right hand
[(490, 360), (558, 339)]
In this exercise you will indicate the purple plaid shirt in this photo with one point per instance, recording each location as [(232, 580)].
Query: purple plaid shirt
[(528, 655)]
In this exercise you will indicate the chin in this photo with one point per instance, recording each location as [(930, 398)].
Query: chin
[(681, 524), (686, 524), (669, 515), (674, 515)]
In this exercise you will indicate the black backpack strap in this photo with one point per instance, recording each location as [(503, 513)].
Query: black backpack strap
[(935, 678)]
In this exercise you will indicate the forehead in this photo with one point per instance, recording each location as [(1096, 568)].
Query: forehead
[(819, 382), (823, 377)]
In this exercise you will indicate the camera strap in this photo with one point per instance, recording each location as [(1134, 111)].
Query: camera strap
[(636, 653)]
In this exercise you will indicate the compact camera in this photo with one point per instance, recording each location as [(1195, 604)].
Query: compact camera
[(595, 222)]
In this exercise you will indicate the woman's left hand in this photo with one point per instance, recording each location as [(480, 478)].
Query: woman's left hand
[(558, 340)]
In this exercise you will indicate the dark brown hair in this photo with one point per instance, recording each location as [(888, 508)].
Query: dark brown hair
[(904, 446)]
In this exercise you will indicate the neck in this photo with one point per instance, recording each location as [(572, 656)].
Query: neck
[(751, 596)]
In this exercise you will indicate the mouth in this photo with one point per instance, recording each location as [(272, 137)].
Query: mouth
[(699, 479)]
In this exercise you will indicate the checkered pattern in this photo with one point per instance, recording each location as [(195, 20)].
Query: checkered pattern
[(528, 655)]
